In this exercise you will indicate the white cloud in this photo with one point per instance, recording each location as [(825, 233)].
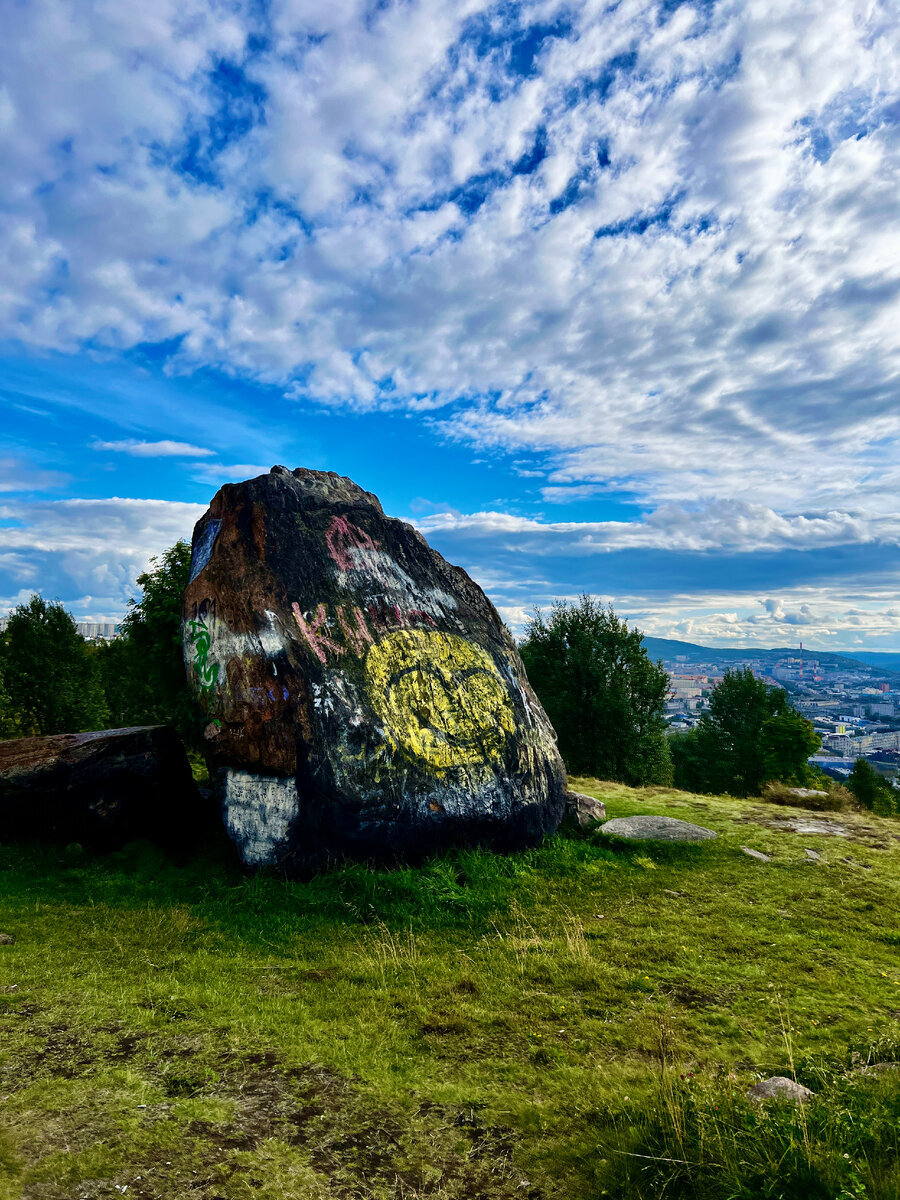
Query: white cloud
[(88, 553), (164, 449), (17, 474), (216, 474), (740, 340), (735, 527)]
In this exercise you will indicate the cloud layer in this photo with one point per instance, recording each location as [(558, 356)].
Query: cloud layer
[(649, 246), (86, 552), (653, 240)]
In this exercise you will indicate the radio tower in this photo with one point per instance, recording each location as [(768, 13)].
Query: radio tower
[(801, 660)]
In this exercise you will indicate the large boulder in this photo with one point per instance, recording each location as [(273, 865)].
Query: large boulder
[(362, 695), (101, 789)]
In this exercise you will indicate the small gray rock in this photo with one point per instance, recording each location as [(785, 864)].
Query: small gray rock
[(756, 854), (802, 825), (807, 793), (6, 939), (584, 809), (656, 829), (813, 855), (879, 1068), (782, 1088)]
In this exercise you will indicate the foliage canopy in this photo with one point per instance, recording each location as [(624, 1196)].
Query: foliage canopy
[(49, 677), (603, 695), (143, 671), (750, 735), (871, 790)]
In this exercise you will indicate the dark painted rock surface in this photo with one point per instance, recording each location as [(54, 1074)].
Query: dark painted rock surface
[(363, 696), (101, 789)]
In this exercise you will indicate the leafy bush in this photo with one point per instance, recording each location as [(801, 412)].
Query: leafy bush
[(49, 678), (872, 791), (750, 734), (604, 696)]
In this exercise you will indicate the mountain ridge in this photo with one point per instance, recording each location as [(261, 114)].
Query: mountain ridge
[(875, 661)]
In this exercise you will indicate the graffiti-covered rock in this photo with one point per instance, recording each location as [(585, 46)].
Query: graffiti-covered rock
[(361, 694)]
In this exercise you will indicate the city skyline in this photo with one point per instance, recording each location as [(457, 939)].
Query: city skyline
[(602, 300)]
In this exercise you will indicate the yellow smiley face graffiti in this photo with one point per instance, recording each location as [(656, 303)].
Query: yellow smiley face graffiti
[(440, 697)]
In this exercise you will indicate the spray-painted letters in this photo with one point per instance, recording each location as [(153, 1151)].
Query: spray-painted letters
[(203, 615), (355, 626)]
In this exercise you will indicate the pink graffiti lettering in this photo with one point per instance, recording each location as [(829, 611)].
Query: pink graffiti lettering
[(359, 637), (318, 641), (416, 614), (342, 536), (354, 626)]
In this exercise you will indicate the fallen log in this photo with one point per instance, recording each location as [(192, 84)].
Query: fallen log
[(101, 789)]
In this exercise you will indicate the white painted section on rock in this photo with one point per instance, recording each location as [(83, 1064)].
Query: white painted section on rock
[(258, 811), (395, 585)]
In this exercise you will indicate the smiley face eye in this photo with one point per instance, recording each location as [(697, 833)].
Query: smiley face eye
[(440, 697)]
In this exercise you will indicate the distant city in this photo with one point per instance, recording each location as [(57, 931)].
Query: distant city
[(91, 631), (853, 705)]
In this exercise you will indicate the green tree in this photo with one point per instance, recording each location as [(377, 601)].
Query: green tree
[(603, 695), (8, 723), (51, 680), (143, 670), (871, 790), (788, 741), (750, 735)]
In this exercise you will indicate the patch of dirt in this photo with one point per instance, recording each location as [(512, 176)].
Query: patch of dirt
[(445, 1028), (317, 974), (691, 997), (360, 1151), (817, 825)]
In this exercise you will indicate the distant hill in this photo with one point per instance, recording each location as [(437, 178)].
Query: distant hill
[(887, 660), (876, 662)]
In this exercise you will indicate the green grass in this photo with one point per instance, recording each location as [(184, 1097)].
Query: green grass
[(481, 1026)]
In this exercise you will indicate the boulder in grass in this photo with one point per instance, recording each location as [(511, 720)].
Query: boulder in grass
[(779, 1087), (362, 695), (655, 829), (585, 810), (100, 789)]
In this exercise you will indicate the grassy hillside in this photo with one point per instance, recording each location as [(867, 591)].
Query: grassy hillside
[(576, 1021)]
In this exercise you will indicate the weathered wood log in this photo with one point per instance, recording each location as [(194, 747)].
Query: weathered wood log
[(363, 696), (101, 789)]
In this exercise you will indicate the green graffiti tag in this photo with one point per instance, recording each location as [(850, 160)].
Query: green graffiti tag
[(207, 672)]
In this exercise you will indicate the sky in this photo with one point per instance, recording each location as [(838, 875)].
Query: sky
[(603, 297)]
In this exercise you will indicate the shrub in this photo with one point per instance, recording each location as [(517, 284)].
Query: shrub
[(831, 800)]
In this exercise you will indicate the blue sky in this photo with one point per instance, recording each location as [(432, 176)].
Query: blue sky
[(603, 297)]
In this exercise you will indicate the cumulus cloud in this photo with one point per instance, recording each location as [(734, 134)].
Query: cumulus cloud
[(648, 247), (653, 243), (87, 553), (164, 449)]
